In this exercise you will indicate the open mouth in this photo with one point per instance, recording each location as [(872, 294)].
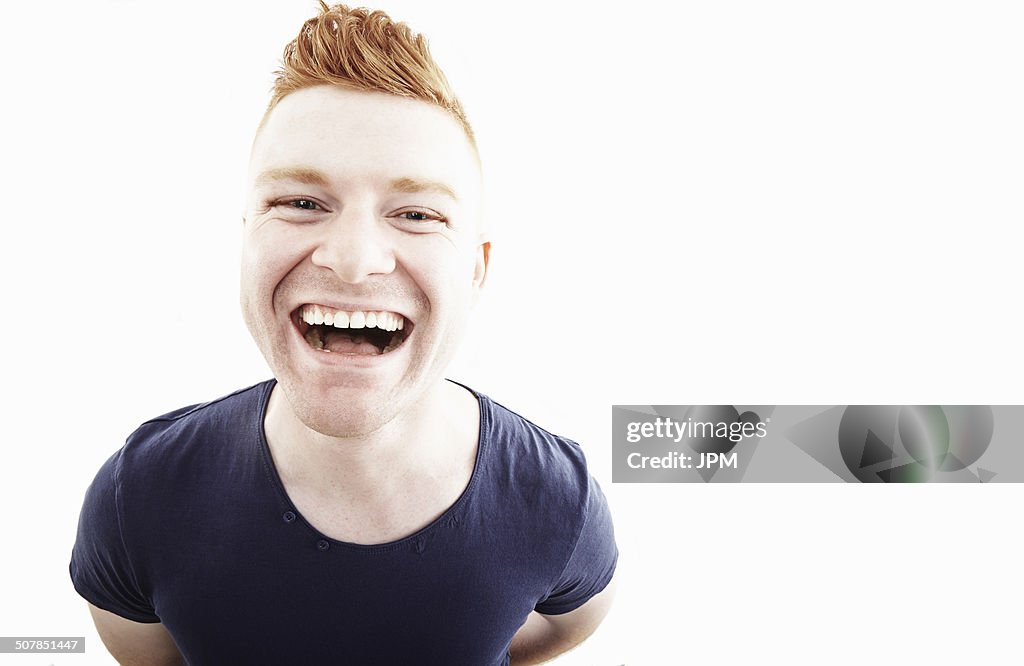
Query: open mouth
[(367, 333)]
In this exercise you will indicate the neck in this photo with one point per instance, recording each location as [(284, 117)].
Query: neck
[(427, 440)]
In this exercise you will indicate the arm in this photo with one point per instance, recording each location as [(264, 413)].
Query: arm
[(135, 643), (544, 637)]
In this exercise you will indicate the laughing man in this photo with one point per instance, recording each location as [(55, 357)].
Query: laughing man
[(359, 508)]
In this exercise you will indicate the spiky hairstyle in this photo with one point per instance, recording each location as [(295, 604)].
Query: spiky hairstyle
[(364, 50)]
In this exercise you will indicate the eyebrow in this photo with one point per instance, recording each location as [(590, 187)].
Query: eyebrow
[(313, 177), (299, 174), (413, 186)]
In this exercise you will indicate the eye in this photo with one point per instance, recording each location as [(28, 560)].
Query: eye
[(301, 204), (421, 216)]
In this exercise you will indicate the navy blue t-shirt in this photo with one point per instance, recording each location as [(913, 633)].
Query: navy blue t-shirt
[(188, 524)]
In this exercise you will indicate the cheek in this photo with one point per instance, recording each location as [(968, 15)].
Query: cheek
[(267, 256), (442, 273)]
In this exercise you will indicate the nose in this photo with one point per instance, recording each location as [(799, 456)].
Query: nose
[(355, 245)]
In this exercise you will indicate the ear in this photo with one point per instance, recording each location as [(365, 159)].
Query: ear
[(483, 257)]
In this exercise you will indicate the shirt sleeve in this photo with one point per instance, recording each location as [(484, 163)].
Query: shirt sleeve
[(592, 563), (101, 570)]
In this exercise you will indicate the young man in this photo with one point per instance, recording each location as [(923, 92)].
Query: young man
[(359, 508)]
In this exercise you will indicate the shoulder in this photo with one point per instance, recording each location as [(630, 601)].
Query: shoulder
[(186, 457), (539, 482), (238, 402), (533, 471), (177, 452), (169, 435), (132, 505), (533, 454)]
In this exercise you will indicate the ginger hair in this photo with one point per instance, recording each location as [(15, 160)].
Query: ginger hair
[(364, 50)]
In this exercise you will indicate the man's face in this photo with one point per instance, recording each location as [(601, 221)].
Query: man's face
[(362, 207)]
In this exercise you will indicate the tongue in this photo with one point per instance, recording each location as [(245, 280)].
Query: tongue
[(345, 343)]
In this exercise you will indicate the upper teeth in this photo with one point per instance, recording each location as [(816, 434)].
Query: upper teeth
[(318, 314)]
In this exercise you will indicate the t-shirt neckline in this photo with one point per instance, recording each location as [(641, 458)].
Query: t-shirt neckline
[(446, 517)]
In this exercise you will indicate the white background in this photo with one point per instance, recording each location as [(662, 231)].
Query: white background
[(715, 202)]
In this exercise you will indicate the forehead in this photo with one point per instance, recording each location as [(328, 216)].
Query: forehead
[(364, 137)]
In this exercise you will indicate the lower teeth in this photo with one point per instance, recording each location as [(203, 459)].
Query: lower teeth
[(313, 338)]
